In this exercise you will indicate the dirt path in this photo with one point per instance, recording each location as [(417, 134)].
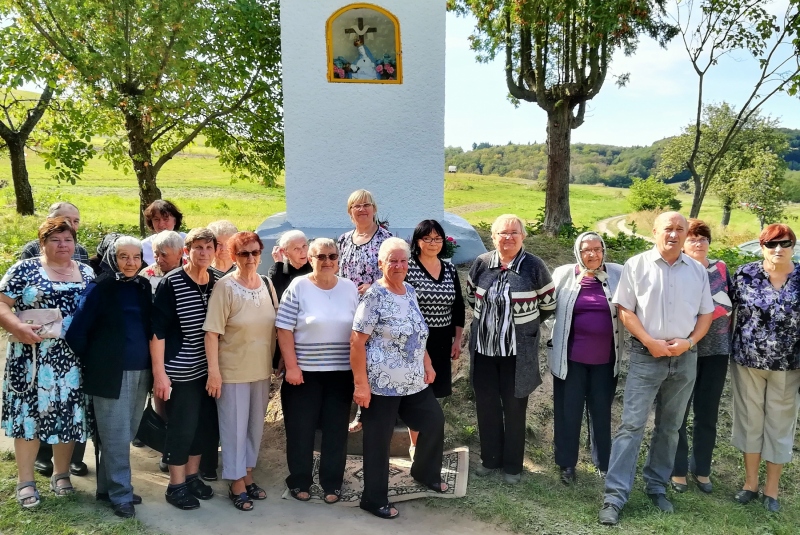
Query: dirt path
[(272, 516), (615, 225)]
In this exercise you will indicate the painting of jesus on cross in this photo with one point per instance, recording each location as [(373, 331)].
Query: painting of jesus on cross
[(364, 45)]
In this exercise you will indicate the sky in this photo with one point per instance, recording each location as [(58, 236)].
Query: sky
[(658, 101)]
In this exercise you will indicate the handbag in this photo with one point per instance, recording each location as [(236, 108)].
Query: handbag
[(48, 318), (152, 430)]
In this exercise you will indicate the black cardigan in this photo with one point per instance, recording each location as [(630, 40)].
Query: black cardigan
[(97, 333)]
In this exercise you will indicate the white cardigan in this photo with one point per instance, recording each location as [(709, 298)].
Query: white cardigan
[(567, 287)]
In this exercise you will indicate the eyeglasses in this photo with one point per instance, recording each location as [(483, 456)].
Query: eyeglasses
[(247, 254), (785, 244), (428, 239), (362, 206), (596, 250), (697, 241), (333, 257), (512, 234)]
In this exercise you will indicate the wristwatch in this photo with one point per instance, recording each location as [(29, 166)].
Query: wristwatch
[(691, 343)]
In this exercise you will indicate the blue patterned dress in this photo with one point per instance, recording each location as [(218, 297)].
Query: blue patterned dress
[(54, 408)]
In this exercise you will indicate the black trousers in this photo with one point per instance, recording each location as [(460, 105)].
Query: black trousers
[(586, 385), (45, 452), (711, 372), (440, 342), (323, 398), (193, 427), (501, 415), (419, 411)]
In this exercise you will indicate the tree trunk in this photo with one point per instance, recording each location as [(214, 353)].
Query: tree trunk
[(727, 206), (141, 151), (556, 204), (697, 197), (19, 173)]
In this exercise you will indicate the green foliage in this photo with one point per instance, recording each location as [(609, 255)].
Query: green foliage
[(732, 256), (652, 194)]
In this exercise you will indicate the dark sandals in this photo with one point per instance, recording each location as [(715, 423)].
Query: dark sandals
[(296, 494), (30, 500), (384, 512), (337, 495), (436, 487), (61, 490), (241, 501), (255, 492)]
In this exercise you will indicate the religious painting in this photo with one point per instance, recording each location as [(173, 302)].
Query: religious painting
[(364, 46)]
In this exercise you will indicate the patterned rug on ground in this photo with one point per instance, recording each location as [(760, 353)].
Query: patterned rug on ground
[(402, 487)]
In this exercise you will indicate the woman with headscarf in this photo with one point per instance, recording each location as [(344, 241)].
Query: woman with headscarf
[(110, 333), (584, 353)]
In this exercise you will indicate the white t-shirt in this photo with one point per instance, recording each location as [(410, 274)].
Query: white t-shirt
[(321, 321)]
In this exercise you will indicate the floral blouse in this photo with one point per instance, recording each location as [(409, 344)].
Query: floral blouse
[(359, 263), (766, 335), (396, 346)]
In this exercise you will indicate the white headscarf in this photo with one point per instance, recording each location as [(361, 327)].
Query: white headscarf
[(600, 273)]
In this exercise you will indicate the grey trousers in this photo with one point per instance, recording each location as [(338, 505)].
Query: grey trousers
[(667, 381), (117, 423), (241, 408)]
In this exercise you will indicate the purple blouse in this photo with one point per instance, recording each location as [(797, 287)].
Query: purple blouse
[(591, 338)]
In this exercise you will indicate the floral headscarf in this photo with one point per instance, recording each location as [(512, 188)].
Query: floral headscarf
[(599, 273)]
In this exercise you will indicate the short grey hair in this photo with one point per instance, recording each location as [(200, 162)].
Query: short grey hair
[(318, 244), (392, 244), (222, 228), (167, 239), (58, 206), (122, 241), (508, 217), (289, 236), (591, 236)]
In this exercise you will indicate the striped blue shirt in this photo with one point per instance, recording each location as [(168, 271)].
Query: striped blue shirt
[(321, 321)]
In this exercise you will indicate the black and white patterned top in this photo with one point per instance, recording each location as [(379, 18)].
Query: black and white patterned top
[(33, 249), (440, 299), (359, 263), (179, 311)]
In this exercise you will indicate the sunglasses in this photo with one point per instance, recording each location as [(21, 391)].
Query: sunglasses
[(247, 254), (322, 257), (785, 244)]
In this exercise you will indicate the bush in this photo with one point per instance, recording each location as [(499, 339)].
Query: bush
[(652, 194), (733, 257)]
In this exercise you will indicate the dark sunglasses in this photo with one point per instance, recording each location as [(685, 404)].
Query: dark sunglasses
[(333, 257), (246, 254), (785, 244)]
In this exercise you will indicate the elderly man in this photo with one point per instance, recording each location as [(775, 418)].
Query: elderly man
[(665, 302)]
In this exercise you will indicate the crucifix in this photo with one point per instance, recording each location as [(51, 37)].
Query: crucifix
[(360, 30)]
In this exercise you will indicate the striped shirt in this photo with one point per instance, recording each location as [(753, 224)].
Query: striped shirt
[(321, 321), (32, 249), (179, 310), (439, 299)]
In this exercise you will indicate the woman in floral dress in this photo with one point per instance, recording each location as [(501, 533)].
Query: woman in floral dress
[(43, 398)]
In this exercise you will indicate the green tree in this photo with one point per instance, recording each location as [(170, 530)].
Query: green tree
[(652, 194), (758, 187), (722, 167), (557, 54), (168, 71), (713, 29)]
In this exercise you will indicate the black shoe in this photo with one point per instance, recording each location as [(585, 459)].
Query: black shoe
[(103, 497), (568, 475), (745, 496), (199, 490), (678, 487), (78, 469), (136, 443), (707, 488), (124, 510), (771, 504), (661, 501), (209, 476), (164, 467), (609, 515), (182, 499), (43, 467)]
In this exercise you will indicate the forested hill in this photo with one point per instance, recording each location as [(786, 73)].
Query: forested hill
[(591, 164)]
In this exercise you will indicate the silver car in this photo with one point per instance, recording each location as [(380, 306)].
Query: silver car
[(754, 247)]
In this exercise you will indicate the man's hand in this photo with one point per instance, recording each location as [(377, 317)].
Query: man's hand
[(678, 346), (659, 348)]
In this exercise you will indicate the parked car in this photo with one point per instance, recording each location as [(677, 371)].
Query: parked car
[(754, 248)]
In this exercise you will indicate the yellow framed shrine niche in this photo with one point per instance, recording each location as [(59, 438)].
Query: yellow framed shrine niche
[(364, 46)]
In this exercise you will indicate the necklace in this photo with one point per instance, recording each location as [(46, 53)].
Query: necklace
[(203, 291), (71, 270)]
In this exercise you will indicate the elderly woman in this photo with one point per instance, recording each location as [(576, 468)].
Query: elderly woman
[(359, 247), (765, 370), (223, 261), (584, 353), (713, 352), (291, 260), (168, 253), (43, 397), (392, 372), (510, 291), (314, 323), (159, 216), (70, 212), (239, 341), (110, 333), (180, 369)]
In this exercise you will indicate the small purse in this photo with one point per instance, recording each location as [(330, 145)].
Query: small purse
[(48, 318), (152, 429)]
